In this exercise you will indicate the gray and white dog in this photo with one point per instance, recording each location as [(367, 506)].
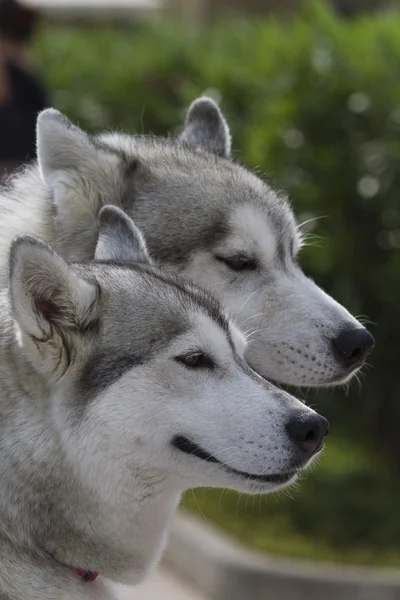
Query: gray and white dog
[(202, 215), (122, 386)]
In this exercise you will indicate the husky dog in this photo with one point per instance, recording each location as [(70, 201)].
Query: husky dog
[(122, 386), (202, 215)]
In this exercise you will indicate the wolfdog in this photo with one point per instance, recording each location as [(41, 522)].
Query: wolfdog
[(202, 215), (121, 387)]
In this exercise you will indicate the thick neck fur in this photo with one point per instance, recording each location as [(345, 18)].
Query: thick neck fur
[(45, 506), (23, 210)]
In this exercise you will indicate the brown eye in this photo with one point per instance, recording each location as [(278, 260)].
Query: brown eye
[(196, 360), (238, 263)]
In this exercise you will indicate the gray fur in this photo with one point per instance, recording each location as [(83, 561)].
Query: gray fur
[(130, 246), (206, 128), (197, 210), (91, 399)]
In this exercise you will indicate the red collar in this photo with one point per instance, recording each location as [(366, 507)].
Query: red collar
[(87, 576)]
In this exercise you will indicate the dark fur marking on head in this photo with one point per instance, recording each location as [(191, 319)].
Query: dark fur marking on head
[(198, 296), (207, 239), (103, 369), (130, 163)]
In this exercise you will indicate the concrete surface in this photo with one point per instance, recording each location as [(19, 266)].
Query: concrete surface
[(97, 10), (163, 586), (223, 570)]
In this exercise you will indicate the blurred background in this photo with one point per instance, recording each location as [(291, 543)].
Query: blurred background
[(312, 94)]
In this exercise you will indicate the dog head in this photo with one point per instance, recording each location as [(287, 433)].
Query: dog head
[(144, 371), (209, 218)]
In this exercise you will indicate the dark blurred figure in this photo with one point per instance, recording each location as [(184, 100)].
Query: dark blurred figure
[(22, 95), (353, 8)]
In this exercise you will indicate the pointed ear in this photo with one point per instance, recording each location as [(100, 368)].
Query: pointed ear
[(119, 238), (76, 174), (61, 147), (206, 128), (49, 302)]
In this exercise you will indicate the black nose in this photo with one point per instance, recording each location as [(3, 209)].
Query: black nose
[(308, 431), (353, 345)]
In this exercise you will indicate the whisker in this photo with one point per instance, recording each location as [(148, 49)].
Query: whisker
[(245, 302), (312, 220), (252, 317), (247, 338), (306, 244), (365, 320), (199, 508)]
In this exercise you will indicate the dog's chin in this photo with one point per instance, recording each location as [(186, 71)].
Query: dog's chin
[(255, 487), (249, 485), (341, 378), (234, 478)]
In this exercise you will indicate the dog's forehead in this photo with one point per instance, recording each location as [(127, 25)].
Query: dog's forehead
[(137, 299), (252, 231), (199, 199), (171, 170), (263, 230), (143, 297)]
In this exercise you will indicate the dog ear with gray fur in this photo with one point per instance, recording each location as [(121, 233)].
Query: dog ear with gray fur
[(74, 170), (67, 162), (49, 301), (206, 128), (119, 238), (61, 147)]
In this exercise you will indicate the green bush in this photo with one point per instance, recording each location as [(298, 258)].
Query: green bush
[(315, 105)]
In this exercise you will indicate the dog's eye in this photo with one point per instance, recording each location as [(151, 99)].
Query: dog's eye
[(196, 360), (238, 262)]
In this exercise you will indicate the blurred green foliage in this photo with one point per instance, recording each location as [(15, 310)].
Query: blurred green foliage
[(314, 104), (344, 511)]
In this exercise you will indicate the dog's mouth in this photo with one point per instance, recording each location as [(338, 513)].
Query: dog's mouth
[(183, 444), (341, 378)]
